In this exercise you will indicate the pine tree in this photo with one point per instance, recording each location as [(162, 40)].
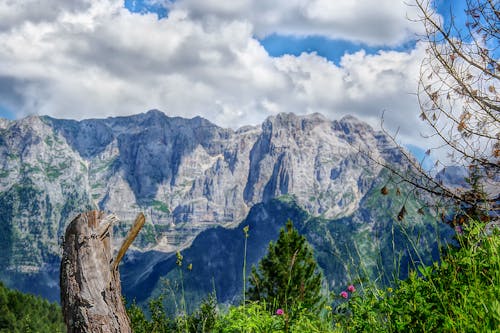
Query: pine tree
[(288, 275)]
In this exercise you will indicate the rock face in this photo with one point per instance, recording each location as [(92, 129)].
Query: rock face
[(187, 175), (90, 288)]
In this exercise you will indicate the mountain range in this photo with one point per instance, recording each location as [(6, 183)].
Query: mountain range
[(198, 185)]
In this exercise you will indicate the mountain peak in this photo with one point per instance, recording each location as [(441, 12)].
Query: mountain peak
[(293, 121), (155, 112), (290, 116), (351, 124)]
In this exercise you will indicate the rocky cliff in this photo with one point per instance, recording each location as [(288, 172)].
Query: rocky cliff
[(187, 175)]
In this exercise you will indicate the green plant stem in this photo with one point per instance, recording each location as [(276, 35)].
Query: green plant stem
[(245, 269), (183, 300)]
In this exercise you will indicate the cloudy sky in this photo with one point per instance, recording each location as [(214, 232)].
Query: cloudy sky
[(232, 62)]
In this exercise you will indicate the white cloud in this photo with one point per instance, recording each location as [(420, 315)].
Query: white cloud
[(381, 22), (101, 60), (363, 85), (14, 13)]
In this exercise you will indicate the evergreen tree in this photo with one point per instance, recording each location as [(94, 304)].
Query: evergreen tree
[(21, 312), (288, 275)]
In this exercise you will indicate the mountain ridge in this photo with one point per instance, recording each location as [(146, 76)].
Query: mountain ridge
[(187, 175)]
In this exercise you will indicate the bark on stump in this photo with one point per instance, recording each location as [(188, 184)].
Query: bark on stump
[(90, 282)]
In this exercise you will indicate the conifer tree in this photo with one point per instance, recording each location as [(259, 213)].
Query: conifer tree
[(288, 275)]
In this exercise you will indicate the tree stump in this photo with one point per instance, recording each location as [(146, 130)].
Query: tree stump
[(91, 296)]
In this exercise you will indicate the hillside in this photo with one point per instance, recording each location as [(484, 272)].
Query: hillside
[(20, 313)]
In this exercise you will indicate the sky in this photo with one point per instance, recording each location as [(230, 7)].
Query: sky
[(232, 62)]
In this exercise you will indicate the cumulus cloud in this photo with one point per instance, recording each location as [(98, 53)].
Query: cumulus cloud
[(381, 22), (97, 59), (14, 13)]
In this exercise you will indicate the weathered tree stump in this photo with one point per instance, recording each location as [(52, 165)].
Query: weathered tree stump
[(90, 282)]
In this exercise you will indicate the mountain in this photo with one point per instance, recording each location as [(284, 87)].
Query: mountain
[(188, 175), (453, 177), (369, 244)]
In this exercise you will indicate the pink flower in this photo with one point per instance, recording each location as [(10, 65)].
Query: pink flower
[(344, 294), (351, 288), (279, 312), (459, 230)]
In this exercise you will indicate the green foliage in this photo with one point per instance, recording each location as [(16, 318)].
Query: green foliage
[(257, 317), (288, 274), (201, 321), (161, 206), (27, 313), (204, 319), (254, 317), (138, 319), (461, 294), (147, 236)]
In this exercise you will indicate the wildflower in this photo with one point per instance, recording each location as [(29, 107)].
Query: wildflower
[(190, 267), (344, 294), (459, 230), (279, 312), (245, 230), (351, 288), (328, 308), (389, 290)]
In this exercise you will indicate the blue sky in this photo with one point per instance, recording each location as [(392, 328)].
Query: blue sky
[(232, 62), (5, 113), (142, 7), (333, 50)]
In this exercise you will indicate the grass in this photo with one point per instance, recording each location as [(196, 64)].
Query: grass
[(460, 293)]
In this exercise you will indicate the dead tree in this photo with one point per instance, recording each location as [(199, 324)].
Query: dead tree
[(459, 97), (90, 282)]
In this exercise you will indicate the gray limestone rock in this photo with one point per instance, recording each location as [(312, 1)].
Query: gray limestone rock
[(187, 175)]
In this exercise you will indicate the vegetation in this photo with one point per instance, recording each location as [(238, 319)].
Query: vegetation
[(288, 275), (27, 313), (161, 206), (460, 293)]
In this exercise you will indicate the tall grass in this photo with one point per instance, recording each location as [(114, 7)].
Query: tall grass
[(458, 293), (245, 231)]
